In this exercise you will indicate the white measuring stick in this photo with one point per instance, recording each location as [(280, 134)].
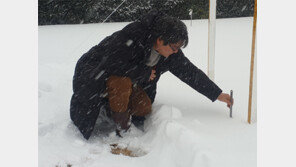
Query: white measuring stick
[(231, 99)]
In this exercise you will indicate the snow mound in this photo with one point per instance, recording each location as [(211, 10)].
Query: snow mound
[(162, 134)]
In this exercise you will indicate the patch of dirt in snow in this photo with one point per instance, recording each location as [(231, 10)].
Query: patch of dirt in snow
[(164, 142)]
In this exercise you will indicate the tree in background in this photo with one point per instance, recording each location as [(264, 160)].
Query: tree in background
[(95, 11), (230, 8)]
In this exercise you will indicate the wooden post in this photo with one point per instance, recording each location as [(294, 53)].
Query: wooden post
[(252, 62)]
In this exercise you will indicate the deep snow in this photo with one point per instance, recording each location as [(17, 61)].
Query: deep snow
[(185, 128)]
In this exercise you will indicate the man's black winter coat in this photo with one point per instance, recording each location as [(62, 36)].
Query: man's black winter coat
[(125, 53)]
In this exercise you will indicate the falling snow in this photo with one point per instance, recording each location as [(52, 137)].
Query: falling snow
[(129, 42), (99, 75)]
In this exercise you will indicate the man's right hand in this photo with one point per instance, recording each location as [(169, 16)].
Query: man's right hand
[(226, 98)]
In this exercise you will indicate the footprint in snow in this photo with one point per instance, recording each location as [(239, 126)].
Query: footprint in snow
[(44, 87), (44, 129)]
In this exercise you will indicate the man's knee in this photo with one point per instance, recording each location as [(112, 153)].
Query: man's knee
[(140, 102), (119, 90)]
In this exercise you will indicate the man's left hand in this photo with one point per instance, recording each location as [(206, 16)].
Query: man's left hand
[(152, 76), (225, 98)]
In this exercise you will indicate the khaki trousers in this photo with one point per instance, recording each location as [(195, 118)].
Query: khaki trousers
[(126, 100)]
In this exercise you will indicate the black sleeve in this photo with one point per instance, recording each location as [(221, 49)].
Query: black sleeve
[(182, 68)]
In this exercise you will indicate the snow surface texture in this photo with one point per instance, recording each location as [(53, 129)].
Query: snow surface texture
[(185, 129)]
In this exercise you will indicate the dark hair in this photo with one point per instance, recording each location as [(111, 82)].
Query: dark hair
[(170, 30)]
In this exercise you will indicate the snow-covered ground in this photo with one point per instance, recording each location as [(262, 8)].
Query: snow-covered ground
[(184, 130)]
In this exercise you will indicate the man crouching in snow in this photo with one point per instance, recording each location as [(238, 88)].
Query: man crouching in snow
[(115, 81)]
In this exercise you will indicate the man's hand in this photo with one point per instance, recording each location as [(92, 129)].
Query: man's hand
[(225, 98), (152, 76)]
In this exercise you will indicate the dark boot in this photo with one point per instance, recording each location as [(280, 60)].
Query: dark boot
[(138, 121)]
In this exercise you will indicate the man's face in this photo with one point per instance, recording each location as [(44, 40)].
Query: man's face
[(167, 50)]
